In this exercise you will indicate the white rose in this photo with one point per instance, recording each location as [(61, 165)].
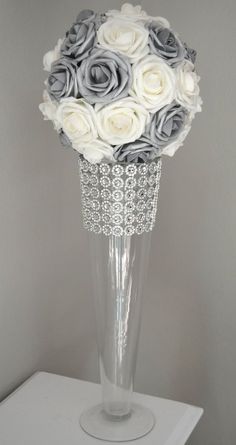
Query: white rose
[(170, 149), (51, 56), (96, 151), (187, 88), (121, 122), (135, 13), (49, 110), (153, 83), (126, 37), (77, 120), (128, 11)]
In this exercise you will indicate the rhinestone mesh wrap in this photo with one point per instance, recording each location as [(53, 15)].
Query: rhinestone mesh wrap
[(121, 198)]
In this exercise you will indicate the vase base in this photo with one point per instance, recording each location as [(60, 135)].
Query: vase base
[(95, 423)]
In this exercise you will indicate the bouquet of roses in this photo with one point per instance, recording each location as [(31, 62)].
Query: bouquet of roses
[(122, 87)]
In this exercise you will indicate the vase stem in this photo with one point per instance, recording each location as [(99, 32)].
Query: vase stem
[(119, 267)]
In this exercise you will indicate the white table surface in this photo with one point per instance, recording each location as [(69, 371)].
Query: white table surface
[(45, 410)]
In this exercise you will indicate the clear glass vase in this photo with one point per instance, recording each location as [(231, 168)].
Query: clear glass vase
[(119, 242)]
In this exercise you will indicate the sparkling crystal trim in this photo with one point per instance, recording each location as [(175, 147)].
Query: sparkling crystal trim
[(119, 198)]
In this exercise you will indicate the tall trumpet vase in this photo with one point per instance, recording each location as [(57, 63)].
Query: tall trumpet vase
[(119, 204)]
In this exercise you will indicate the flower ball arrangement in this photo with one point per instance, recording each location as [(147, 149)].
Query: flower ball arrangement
[(122, 87)]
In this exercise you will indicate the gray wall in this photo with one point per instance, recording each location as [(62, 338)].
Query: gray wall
[(187, 348)]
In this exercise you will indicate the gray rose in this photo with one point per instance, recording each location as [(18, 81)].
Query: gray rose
[(87, 15), (104, 77), (62, 80), (166, 124), (191, 54), (79, 40), (165, 44), (138, 151)]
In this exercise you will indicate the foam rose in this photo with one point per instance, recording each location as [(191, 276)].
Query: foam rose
[(191, 54), (153, 83), (79, 40), (171, 148), (104, 77), (62, 80), (48, 109), (187, 88), (96, 151), (51, 56), (165, 44), (87, 15), (121, 122), (125, 37), (128, 12), (137, 151), (166, 125), (77, 120), (134, 13)]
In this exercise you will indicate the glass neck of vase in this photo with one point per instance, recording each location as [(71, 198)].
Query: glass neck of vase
[(119, 265)]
